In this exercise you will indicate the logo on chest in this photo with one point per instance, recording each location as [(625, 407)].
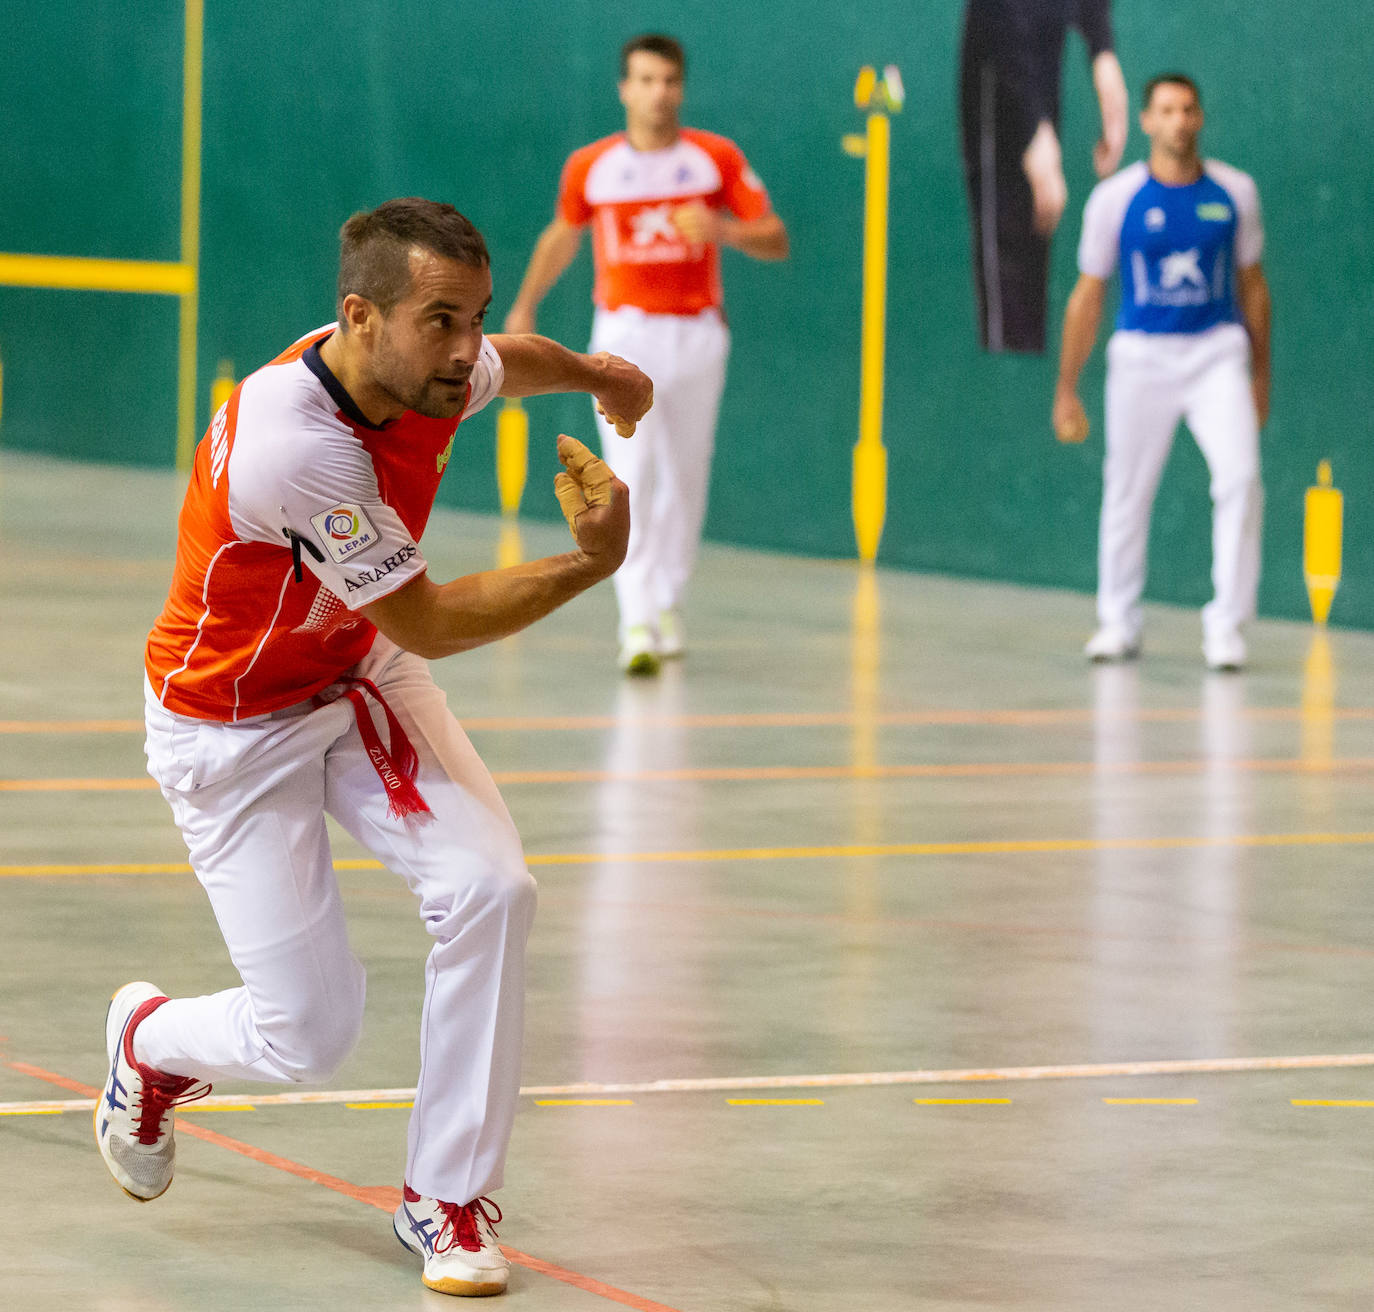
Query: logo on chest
[(1181, 267), (442, 459), (654, 223)]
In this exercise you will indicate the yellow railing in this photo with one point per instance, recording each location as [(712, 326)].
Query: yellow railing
[(178, 278)]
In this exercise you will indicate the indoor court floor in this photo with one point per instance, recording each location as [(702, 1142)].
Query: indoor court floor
[(889, 957)]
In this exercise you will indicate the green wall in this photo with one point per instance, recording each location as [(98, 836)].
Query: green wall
[(311, 115)]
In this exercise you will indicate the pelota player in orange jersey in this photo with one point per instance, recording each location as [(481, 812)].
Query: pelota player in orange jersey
[(661, 200), (287, 678)]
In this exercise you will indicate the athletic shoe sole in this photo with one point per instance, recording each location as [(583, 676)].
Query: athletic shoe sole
[(459, 1288)]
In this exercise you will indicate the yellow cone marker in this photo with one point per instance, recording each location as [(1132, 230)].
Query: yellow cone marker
[(512, 453), (1321, 543), (223, 386), (880, 99)]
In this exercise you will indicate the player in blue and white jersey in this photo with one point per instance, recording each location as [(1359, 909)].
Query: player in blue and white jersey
[(1191, 342)]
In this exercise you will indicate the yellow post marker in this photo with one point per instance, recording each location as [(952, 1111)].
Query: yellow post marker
[(880, 99), (512, 453), (1321, 543), (223, 386)]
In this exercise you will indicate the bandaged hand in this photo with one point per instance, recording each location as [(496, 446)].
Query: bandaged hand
[(623, 393), (595, 503)]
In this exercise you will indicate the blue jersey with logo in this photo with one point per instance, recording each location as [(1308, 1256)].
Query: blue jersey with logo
[(1177, 247)]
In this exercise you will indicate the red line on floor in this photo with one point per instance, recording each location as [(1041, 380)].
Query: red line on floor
[(383, 1197)]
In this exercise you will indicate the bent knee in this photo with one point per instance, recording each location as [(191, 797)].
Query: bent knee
[(500, 888), (310, 1042)]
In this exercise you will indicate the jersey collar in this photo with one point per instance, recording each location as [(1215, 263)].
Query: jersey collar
[(346, 403)]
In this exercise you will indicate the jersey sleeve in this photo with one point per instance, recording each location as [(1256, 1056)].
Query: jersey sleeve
[(1093, 18), (308, 478), (742, 190), (487, 376), (1099, 243), (572, 189), (1249, 224)]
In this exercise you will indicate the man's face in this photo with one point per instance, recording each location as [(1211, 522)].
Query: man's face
[(1173, 119), (651, 90), (423, 352)]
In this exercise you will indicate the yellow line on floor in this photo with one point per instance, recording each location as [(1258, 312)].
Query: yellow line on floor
[(33, 1111), (377, 1106), (76, 785), (866, 1079), (1332, 1102), (776, 1102), (1150, 1102), (785, 720), (996, 847), (961, 1102), (801, 773), (584, 1102), (71, 726), (218, 1107)]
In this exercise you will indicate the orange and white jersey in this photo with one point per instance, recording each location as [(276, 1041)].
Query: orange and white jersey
[(299, 511), (628, 196)]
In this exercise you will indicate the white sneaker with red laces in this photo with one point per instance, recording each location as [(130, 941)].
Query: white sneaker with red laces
[(133, 1119), (457, 1242)]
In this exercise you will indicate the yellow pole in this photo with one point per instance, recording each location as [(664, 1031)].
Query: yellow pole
[(223, 386), (870, 456), (192, 65), (512, 453), (879, 98), (1321, 543)]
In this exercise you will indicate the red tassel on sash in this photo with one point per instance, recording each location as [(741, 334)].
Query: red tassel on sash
[(395, 768)]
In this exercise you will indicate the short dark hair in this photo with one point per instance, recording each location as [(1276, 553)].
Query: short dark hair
[(653, 43), (375, 246), (1169, 80)]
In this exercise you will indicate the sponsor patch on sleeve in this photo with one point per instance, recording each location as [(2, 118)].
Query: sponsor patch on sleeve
[(344, 531)]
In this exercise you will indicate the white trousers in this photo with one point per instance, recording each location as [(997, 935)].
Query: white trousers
[(667, 463), (250, 799), (1153, 381)]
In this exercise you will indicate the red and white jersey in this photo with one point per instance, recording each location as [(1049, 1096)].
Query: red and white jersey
[(629, 195), (291, 478)]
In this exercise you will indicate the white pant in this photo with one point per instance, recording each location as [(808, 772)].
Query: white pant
[(250, 799), (667, 463), (1153, 381)]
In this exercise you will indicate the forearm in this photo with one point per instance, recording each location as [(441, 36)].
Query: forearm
[(1082, 318), (764, 239), (535, 366), (440, 619), (1114, 103), (553, 252), (1255, 311)]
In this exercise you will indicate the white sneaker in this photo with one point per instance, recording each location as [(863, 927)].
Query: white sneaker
[(133, 1119), (639, 651), (672, 637), (1224, 652), (1110, 644), (457, 1242)]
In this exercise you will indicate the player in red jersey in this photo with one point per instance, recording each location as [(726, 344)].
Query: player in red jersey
[(287, 679), (661, 199)]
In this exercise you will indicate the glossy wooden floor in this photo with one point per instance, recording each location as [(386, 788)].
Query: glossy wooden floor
[(889, 957)]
